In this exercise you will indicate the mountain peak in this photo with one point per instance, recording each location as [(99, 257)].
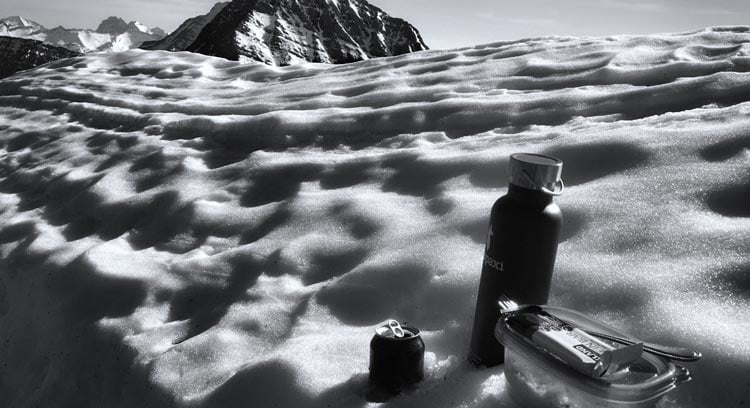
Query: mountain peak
[(158, 31), (20, 23), (17, 20), (112, 25), (284, 32), (135, 25), (186, 33)]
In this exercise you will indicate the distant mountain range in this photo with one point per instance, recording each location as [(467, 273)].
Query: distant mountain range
[(284, 32), (18, 54), (113, 34)]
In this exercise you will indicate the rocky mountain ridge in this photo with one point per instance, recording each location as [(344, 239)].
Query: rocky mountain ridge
[(18, 54), (181, 38), (19, 25), (284, 32)]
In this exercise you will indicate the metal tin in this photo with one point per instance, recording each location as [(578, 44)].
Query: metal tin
[(396, 362)]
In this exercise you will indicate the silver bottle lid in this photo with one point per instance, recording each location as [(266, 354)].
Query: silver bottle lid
[(536, 172)]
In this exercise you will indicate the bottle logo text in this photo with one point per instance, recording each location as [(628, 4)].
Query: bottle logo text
[(493, 263)]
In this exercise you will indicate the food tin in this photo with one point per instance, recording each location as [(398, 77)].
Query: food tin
[(537, 379)]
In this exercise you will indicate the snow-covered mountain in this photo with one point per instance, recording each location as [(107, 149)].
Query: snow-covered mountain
[(17, 54), (283, 32), (181, 38), (17, 26), (113, 34), (233, 241), (116, 26), (112, 25)]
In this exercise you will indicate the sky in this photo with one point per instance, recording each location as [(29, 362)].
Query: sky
[(444, 24)]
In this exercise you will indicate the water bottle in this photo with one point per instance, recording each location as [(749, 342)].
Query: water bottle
[(520, 250)]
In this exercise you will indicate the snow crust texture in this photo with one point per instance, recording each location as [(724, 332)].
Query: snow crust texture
[(183, 230)]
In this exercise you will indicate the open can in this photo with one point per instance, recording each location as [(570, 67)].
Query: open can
[(538, 379), (396, 357)]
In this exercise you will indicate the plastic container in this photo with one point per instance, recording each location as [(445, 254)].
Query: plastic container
[(538, 379)]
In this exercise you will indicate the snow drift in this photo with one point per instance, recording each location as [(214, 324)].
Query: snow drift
[(182, 230)]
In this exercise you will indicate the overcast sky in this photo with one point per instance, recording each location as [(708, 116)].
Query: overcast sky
[(443, 23)]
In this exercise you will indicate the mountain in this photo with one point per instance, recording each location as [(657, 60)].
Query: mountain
[(181, 38), (284, 32), (157, 31), (112, 34), (112, 25), (17, 26), (17, 54), (116, 26)]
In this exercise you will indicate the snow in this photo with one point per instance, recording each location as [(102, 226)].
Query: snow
[(17, 26), (355, 7), (182, 230), (258, 28), (122, 42), (91, 40), (142, 28), (79, 40), (257, 36)]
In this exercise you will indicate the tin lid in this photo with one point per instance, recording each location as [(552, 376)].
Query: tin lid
[(645, 379), (536, 172)]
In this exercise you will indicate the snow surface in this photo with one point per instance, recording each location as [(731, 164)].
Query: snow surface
[(182, 230)]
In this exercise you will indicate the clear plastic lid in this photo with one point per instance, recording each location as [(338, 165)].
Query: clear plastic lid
[(643, 380)]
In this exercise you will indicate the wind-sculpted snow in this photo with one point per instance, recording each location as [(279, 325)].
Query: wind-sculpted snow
[(182, 230)]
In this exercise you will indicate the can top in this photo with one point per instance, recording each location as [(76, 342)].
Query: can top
[(396, 332), (536, 172)]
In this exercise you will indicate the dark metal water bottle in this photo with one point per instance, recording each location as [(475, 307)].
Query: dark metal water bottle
[(520, 250)]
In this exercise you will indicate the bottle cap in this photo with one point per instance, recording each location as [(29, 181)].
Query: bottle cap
[(536, 172)]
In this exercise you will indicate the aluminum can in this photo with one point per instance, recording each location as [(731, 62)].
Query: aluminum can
[(396, 361)]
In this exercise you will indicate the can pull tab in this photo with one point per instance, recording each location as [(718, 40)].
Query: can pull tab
[(396, 328)]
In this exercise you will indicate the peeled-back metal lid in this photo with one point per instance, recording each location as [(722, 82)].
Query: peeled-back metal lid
[(536, 172)]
